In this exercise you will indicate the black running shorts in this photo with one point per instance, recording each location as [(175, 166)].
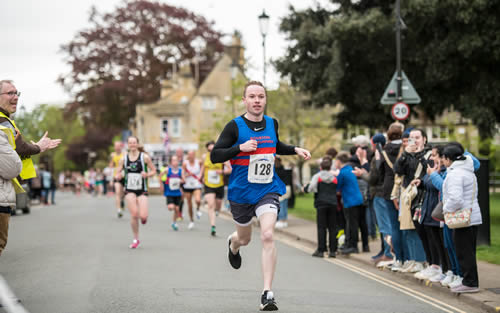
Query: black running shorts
[(137, 192), (174, 200), (121, 181), (219, 191), (243, 213)]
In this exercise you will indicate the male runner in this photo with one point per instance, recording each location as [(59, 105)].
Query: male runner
[(251, 142), (114, 162)]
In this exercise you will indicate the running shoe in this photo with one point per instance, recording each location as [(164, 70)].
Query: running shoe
[(191, 225), (234, 259), (122, 204), (199, 214), (120, 213), (175, 227), (396, 267), (267, 302), (417, 267), (212, 231), (456, 282), (437, 278), (431, 272), (384, 264), (449, 278), (134, 244), (464, 289), (422, 273), (406, 266), (144, 220), (217, 213)]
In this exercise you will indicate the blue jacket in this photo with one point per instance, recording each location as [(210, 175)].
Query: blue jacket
[(347, 183), (431, 199)]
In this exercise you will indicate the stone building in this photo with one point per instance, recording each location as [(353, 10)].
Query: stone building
[(186, 112)]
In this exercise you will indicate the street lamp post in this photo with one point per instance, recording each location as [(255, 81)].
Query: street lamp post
[(264, 25)]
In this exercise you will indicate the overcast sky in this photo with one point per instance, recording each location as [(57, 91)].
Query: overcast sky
[(33, 31)]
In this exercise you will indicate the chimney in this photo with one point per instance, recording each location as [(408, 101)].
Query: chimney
[(236, 51)]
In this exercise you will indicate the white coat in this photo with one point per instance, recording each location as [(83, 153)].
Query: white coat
[(460, 189)]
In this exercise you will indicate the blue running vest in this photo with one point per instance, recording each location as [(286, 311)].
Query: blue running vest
[(170, 175), (240, 190)]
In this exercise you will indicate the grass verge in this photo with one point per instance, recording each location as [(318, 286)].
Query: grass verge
[(492, 253)]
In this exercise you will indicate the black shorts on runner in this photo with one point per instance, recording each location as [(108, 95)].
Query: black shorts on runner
[(121, 181), (219, 191), (137, 192), (243, 213), (190, 190), (174, 200)]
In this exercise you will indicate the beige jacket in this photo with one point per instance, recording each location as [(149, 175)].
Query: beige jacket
[(10, 167)]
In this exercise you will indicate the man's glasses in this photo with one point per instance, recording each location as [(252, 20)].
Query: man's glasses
[(11, 93)]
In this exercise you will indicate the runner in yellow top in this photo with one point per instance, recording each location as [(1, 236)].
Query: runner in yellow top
[(213, 181), (114, 163)]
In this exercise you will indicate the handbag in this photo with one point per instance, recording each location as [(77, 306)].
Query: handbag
[(437, 212), (460, 218)]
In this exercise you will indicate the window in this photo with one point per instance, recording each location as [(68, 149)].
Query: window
[(175, 128), (164, 126), (440, 132), (208, 103)]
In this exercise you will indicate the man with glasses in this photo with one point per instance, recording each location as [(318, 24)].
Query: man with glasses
[(9, 97)]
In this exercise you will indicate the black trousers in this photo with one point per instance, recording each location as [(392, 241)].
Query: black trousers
[(424, 237), (351, 226), (326, 219), (363, 226), (437, 245), (465, 245)]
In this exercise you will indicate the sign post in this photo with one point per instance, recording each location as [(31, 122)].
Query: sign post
[(400, 111)]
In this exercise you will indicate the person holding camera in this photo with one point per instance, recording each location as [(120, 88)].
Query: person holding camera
[(411, 166)]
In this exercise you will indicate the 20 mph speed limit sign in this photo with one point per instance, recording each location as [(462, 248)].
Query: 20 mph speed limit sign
[(400, 111)]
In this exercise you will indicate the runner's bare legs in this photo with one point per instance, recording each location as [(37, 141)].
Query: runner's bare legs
[(267, 222), (134, 213), (241, 237), (210, 198)]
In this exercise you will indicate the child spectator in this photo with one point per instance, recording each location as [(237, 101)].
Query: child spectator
[(324, 185), (347, 184)]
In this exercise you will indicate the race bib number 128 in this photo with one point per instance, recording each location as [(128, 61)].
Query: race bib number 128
[(261, 168)]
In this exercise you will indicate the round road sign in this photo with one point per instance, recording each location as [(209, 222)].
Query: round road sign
[(400, 111)]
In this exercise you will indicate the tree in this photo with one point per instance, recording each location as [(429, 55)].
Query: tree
[(59, 124), (346, 55), (121, 58), (300, 124)]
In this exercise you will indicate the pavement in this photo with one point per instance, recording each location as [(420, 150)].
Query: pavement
[(489, 274)]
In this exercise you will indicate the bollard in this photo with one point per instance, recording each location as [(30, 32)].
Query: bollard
[(483, 197)]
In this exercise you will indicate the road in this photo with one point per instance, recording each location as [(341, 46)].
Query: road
[(73, 257)]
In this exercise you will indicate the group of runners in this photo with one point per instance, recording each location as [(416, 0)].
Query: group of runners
[(246, 149)]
